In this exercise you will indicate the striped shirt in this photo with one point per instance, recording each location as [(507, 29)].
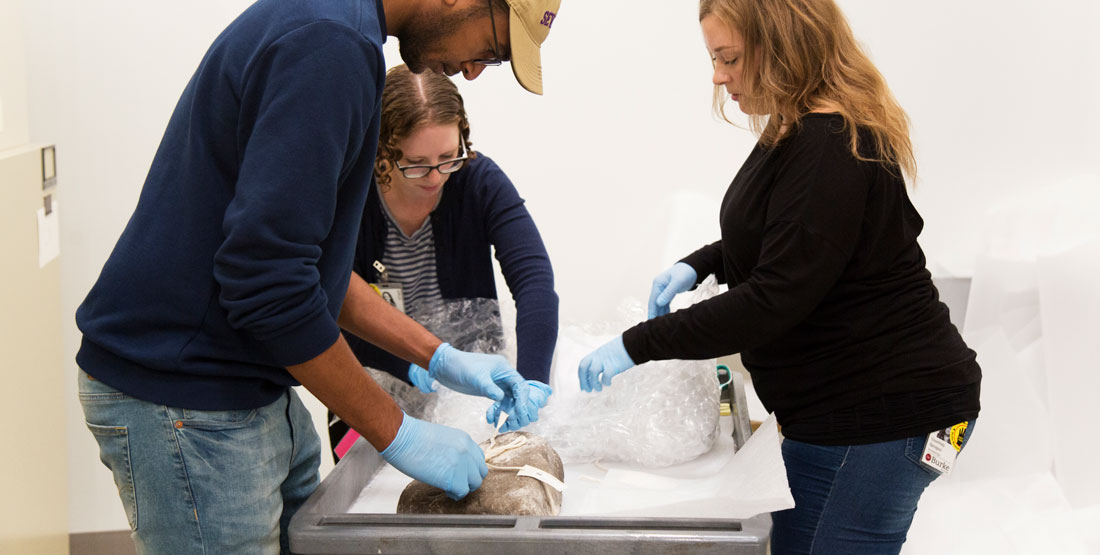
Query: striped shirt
[(410, 261)]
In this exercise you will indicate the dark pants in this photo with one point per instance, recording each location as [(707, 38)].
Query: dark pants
[(851, 499)]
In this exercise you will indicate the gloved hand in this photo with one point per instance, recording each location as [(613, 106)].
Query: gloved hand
[(438, 456), (597, 369), (484, 375), (538, 394), (669, 283), (420, 378)]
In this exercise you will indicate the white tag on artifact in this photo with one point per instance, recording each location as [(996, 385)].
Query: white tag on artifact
[(542, 476), (500, 423)]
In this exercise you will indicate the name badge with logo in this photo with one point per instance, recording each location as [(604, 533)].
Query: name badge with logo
[(942, 446), (390, 292)]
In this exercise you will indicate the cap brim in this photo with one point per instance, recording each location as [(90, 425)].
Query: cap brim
[(526, 58)]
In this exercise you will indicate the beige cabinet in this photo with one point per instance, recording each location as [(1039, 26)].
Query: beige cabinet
[(33, 465)]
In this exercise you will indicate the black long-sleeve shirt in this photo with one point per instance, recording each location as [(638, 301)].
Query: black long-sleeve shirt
[(829, 301)]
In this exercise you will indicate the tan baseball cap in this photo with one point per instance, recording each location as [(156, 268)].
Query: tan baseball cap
[(528, 25)]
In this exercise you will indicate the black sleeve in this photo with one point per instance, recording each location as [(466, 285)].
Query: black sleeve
[(706, 261), (811, 229)]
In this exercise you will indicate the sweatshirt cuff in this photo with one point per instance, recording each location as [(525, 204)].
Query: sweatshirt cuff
[(303, 342)]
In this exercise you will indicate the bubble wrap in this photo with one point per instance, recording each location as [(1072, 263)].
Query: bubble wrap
[(658, 414), (472, 325)]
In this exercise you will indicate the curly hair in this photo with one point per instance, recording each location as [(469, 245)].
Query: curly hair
[(800, 55), (410, 101)]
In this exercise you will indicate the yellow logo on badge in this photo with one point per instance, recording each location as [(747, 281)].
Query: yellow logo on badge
[(958, 433)]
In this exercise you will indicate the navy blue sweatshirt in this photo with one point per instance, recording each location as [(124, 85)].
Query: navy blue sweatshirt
[(237, 258), (479, 210)]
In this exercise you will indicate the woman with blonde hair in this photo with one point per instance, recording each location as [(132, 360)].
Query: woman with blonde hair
[(435, 214), (829, 301)]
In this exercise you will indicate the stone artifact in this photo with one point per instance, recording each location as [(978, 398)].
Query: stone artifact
[(504, 491)]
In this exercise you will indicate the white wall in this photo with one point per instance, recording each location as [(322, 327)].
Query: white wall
[(1002, 95), (104, 77), (14, 129)]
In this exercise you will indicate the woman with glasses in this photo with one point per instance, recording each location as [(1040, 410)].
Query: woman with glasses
[(829, 301), (434, 217)]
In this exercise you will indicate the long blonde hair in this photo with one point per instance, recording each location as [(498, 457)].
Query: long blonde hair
[(801, 55), (409, 101)]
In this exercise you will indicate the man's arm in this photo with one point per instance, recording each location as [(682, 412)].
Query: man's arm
[(369, 316), (436, 455), (337, 379)]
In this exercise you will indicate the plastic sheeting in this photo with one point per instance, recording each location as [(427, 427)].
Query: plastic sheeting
[(1032, 318), (1026, 482), (658, 414), (1024, 515), (472, 325)]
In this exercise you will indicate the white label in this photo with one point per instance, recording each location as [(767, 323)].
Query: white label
[(542, 476), (939, 454)]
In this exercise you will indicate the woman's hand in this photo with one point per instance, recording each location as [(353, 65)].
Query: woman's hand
[(597, 369), (538, 394), (421, 379), (669, 283)]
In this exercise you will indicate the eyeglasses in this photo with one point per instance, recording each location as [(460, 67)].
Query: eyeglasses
[(496, 60), (417, 171)]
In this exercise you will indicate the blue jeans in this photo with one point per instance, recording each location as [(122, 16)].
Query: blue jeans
[(196, 481), (851, 499)]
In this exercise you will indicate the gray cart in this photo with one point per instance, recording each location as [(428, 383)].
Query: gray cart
[(324, 525)]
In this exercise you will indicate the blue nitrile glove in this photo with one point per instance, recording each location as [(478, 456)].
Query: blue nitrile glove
[(538, 394), (420, 378), (438, 456), (484, 375), (669, 283), (597, 369)]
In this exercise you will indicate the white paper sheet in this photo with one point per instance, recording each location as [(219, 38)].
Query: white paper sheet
[(750, 482), (719, 484)]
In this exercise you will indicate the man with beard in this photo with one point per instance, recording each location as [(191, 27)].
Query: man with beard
[(232, 279)]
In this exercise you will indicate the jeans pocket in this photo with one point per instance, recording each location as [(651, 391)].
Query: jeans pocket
[(114, 451), (914, 448), (213, 420), (91, 390)]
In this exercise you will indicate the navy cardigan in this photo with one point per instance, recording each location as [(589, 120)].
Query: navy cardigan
[(480, 210)]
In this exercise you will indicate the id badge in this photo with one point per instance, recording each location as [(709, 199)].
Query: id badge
[(942, 446), (391, 293)]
